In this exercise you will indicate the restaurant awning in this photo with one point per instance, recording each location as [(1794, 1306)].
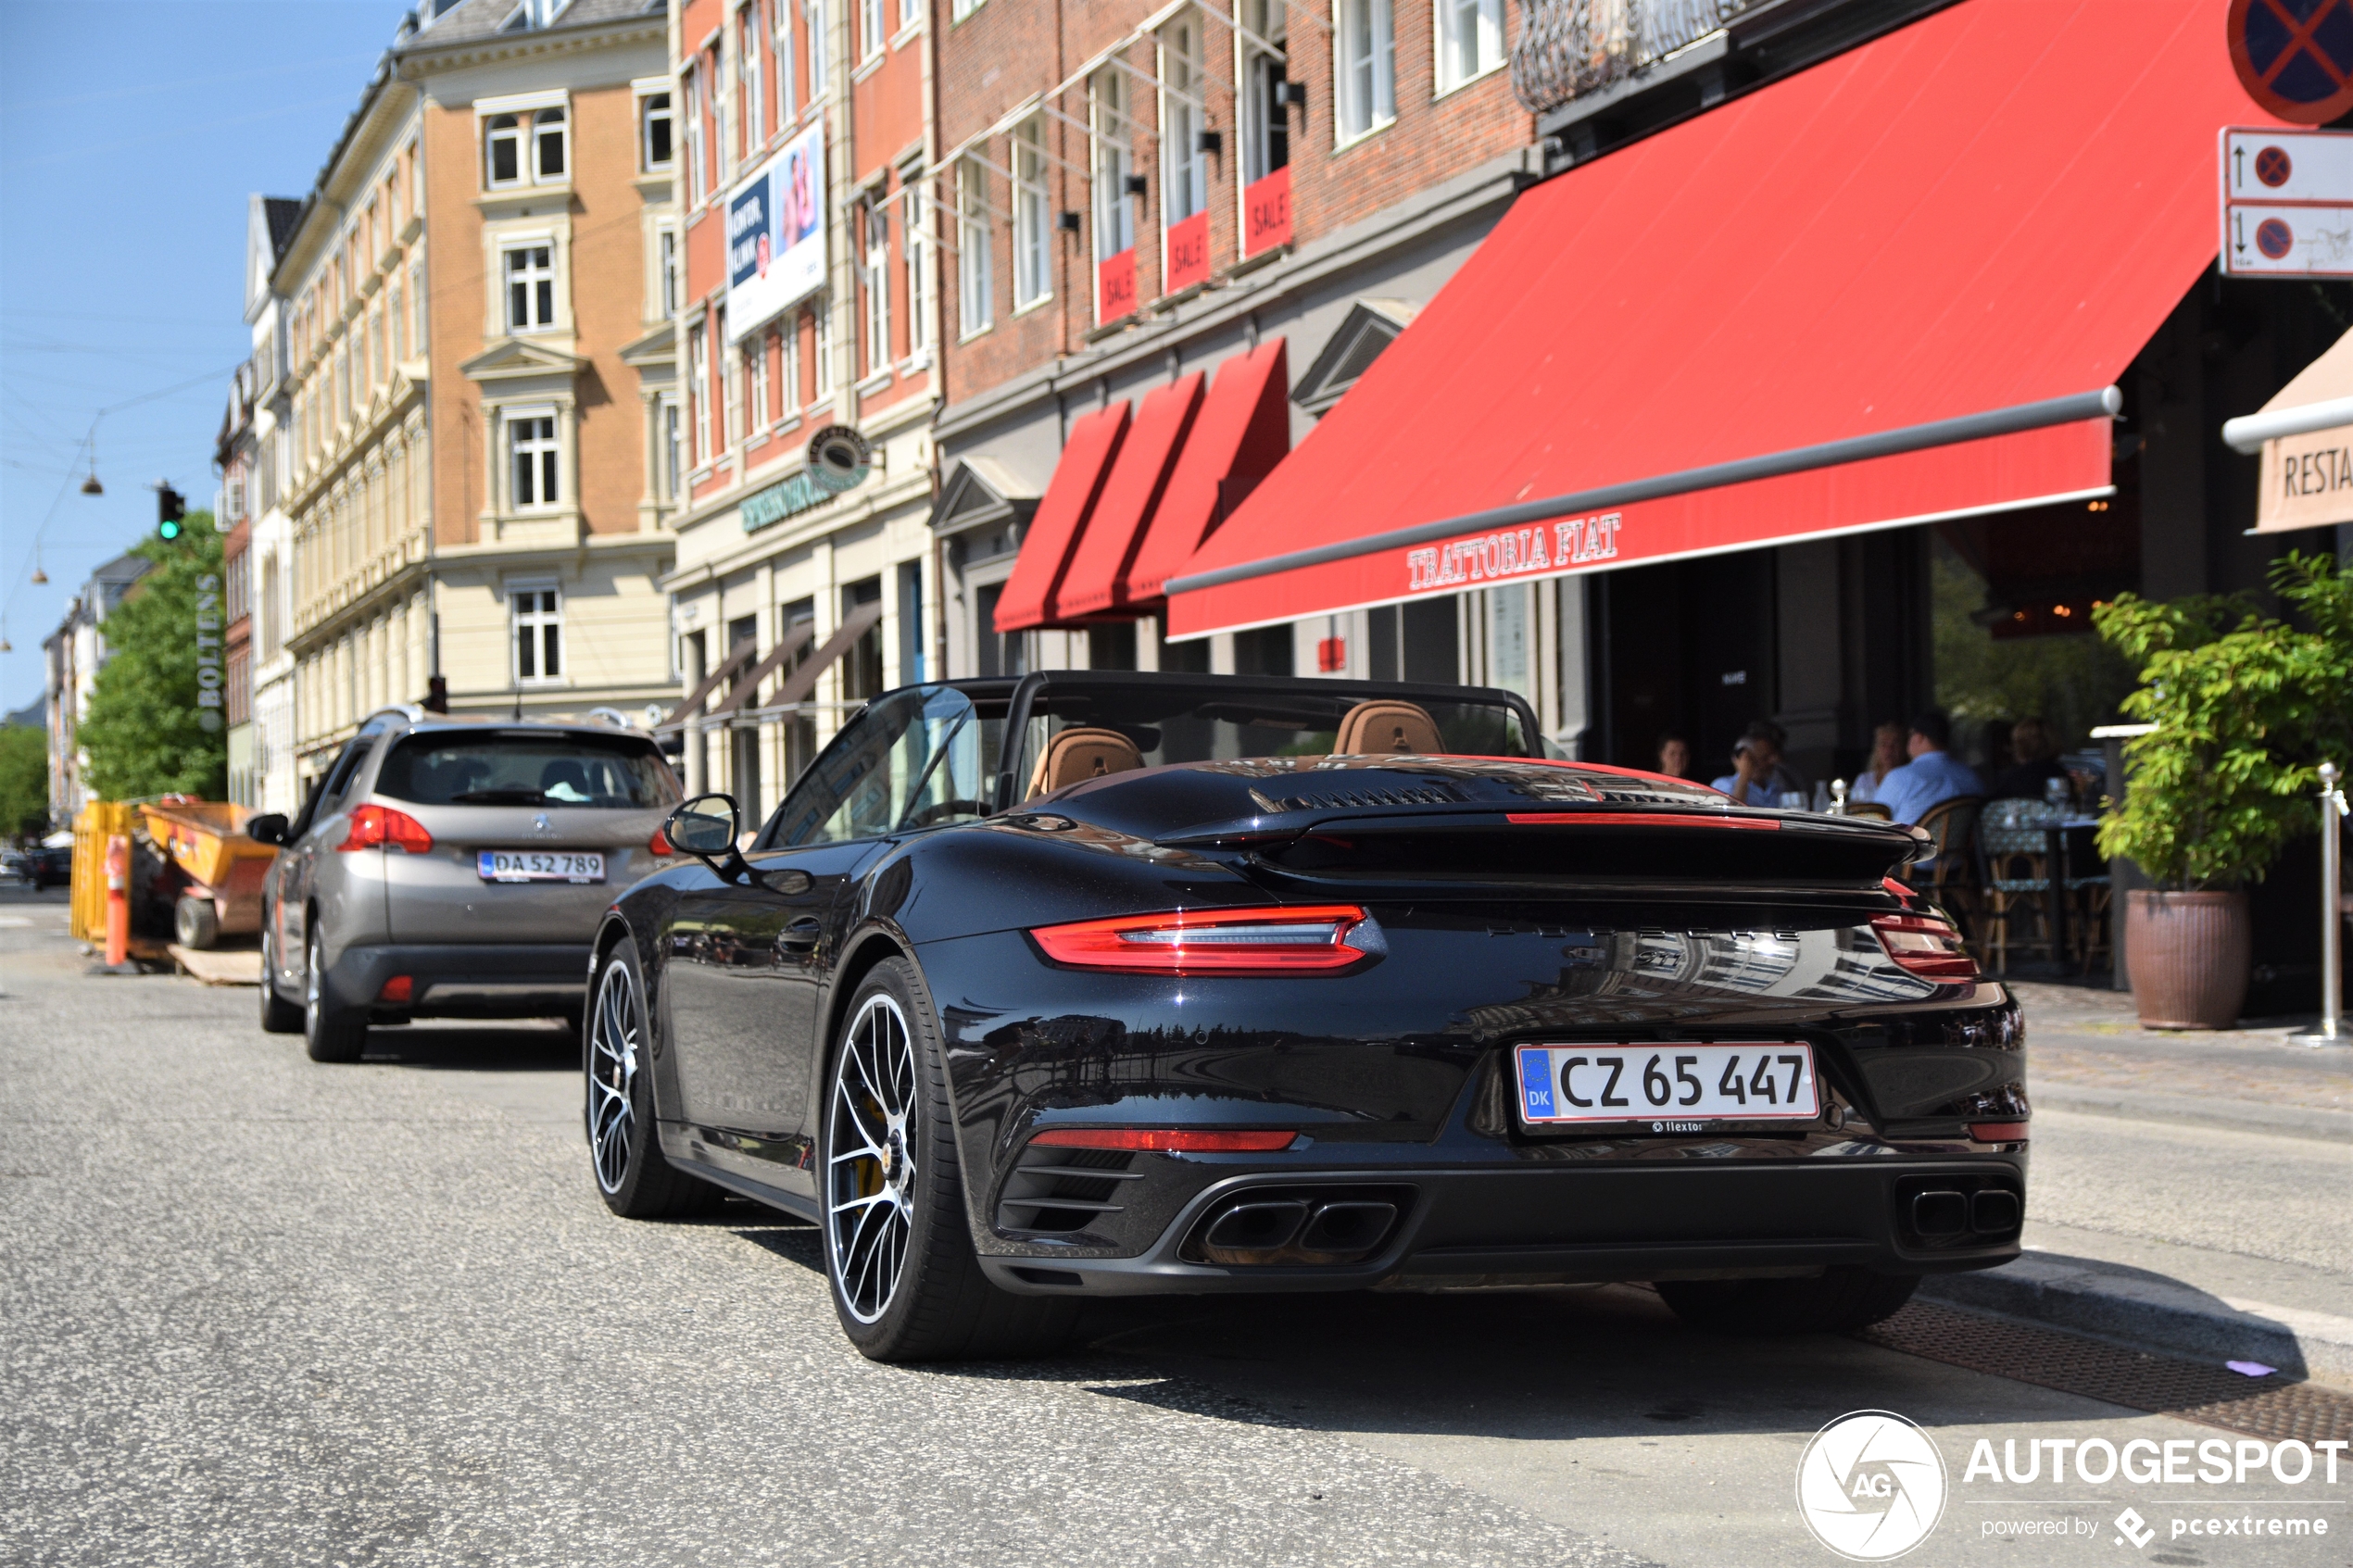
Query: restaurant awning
[(1241, 436), (1097, 582), (1062, 511), (2306, 436), (1896, 287)]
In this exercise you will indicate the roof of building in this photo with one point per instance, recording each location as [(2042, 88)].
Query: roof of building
[(485, 19), (283, 213)]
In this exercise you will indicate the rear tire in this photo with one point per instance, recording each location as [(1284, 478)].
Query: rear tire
[(330, 1031), (906, 1282), (196, 922), (1833, 1301), (634, 1177), (279, 1016)]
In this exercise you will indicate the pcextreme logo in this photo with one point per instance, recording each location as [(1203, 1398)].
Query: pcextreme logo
[(1870, 1486)]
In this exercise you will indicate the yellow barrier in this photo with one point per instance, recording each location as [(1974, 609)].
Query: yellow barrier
[(100, 820)]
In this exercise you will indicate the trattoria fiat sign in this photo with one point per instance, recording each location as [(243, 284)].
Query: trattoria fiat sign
[(1517, 552)]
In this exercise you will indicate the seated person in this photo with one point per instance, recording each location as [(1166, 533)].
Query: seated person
[(1759, 777), (1674, 756), (1887, 755), (1932, 775), (2037, 752)]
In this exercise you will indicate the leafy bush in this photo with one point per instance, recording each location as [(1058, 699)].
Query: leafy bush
[(2246, 708), (24, 782), (142, 734)]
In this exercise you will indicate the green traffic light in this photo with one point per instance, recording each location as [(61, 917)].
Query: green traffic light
[(169, 530)]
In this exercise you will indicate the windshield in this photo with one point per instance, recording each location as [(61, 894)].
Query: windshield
[(527, 768), (920, 757)]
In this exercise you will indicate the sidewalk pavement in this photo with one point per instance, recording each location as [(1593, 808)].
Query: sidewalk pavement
[(2117, 1251)]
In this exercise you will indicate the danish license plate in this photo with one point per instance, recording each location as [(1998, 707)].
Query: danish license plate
[(539, 865), (1666, 1088)]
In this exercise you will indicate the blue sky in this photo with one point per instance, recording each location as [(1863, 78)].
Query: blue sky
[(130, 135)]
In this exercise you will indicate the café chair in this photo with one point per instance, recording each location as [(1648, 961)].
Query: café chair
[(2014, 878), (1951, 880)]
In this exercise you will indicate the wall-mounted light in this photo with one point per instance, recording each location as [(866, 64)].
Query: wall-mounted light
[(1211, 142), (1291, 95), (1138, 185), (1066, 222)]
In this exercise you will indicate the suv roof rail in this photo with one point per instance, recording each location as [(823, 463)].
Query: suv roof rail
[(409, 710), (612, 716)]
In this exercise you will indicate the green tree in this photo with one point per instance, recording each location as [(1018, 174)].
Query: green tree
[(24, 780), (145, 733), (2246, 708)]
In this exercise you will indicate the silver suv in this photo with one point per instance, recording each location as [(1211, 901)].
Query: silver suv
[(453, 868)]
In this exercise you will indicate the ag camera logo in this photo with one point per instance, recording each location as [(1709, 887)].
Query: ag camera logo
[(1870, 1486)]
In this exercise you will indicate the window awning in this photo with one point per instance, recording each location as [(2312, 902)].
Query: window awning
[(2306, 436), (1241, 436), (1097, 582), (1062, 511), (1896, 287)]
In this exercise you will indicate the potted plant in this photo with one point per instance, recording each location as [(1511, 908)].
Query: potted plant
[(2246, 707)]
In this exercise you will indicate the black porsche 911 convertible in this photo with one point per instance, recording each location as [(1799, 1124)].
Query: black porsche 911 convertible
[(1099, 983)]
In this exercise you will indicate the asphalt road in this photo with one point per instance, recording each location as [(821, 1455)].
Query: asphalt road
[(255, 1311)]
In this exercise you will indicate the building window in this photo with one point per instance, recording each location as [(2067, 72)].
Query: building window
[(876, 283), (538, 619), (417, 308), (733, 392), (394, 344), (531, 441), (818, 51), (503, 145), (756, 381), (531, 288), (823, 314), (667, 434), (1033, 279), (1470, 39), (976, 290), (1266, 119), (747, 72), (666, 262), (958, 10), (1186, 187), (1364, 67), (788, 398), (653, 138), (787, 86), (376, 362), (548, 145), (697, 173), (870, 25), (1114, 161), (911, 249), (698, 389), (910, 12)]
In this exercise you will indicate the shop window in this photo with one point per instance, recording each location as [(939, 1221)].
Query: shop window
[(653, 133), (862, 667), (911, 623), (1185, 188), (531, 287), (1033, 276), (997, 653), (537, 616), (535, 456), (975, 287), (1265, 650), (1364, 67), (1470, 39), (1111, 645)]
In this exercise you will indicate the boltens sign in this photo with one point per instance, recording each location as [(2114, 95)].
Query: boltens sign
[(208, 652), (776, 235)]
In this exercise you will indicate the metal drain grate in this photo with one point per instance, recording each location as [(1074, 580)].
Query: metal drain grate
[(2273, 1408)]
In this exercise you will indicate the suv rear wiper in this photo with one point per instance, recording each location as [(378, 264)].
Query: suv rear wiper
[(509, 796)]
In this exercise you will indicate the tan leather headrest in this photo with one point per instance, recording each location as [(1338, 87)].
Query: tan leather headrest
[(1385, 726), (1079, 754)]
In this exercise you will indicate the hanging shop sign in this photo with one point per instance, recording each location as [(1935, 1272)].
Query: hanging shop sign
[(838, 460), (776, 235), (209, 653), (2287, 203)]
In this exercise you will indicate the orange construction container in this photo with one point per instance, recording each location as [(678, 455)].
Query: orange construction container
[(206, 839)]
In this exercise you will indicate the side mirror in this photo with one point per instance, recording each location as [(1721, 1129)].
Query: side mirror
[(268, 828), (706, 825)]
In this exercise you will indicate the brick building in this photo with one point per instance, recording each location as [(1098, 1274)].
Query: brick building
[(478, 356), (1199, 225), (805, 328)]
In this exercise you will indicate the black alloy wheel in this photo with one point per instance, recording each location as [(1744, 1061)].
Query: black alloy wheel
[(279, 1016), (634, 1177), (907, 1284), (330, 1031)]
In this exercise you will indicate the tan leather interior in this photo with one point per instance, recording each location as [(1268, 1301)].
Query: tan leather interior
[(1079, 754), (1385, 726)]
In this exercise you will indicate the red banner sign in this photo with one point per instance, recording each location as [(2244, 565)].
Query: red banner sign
[(1188, 253), (1115, 286), (1266, 212)]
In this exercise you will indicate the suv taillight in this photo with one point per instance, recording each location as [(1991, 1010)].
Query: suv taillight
[(381, 827), (660, 844), (1924, 945)]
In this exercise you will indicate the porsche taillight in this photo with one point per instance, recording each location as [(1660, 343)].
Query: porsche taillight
[(1924, 945), (381, 827), (1283, 940)]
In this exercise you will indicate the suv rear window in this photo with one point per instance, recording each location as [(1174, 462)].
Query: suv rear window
[(526, 769)]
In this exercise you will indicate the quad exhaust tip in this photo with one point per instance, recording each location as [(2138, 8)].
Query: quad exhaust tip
[(1944, 1216), (1262, 1230)]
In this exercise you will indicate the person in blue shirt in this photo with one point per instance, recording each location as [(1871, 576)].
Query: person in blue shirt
[(1933, 773), (1759, 777)]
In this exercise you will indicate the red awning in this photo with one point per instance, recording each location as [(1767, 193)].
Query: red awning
[(1894, 287), (1097, 582), (1062, 511), (1242, 433)]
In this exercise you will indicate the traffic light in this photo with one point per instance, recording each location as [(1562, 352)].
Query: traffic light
[(170, 508)]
